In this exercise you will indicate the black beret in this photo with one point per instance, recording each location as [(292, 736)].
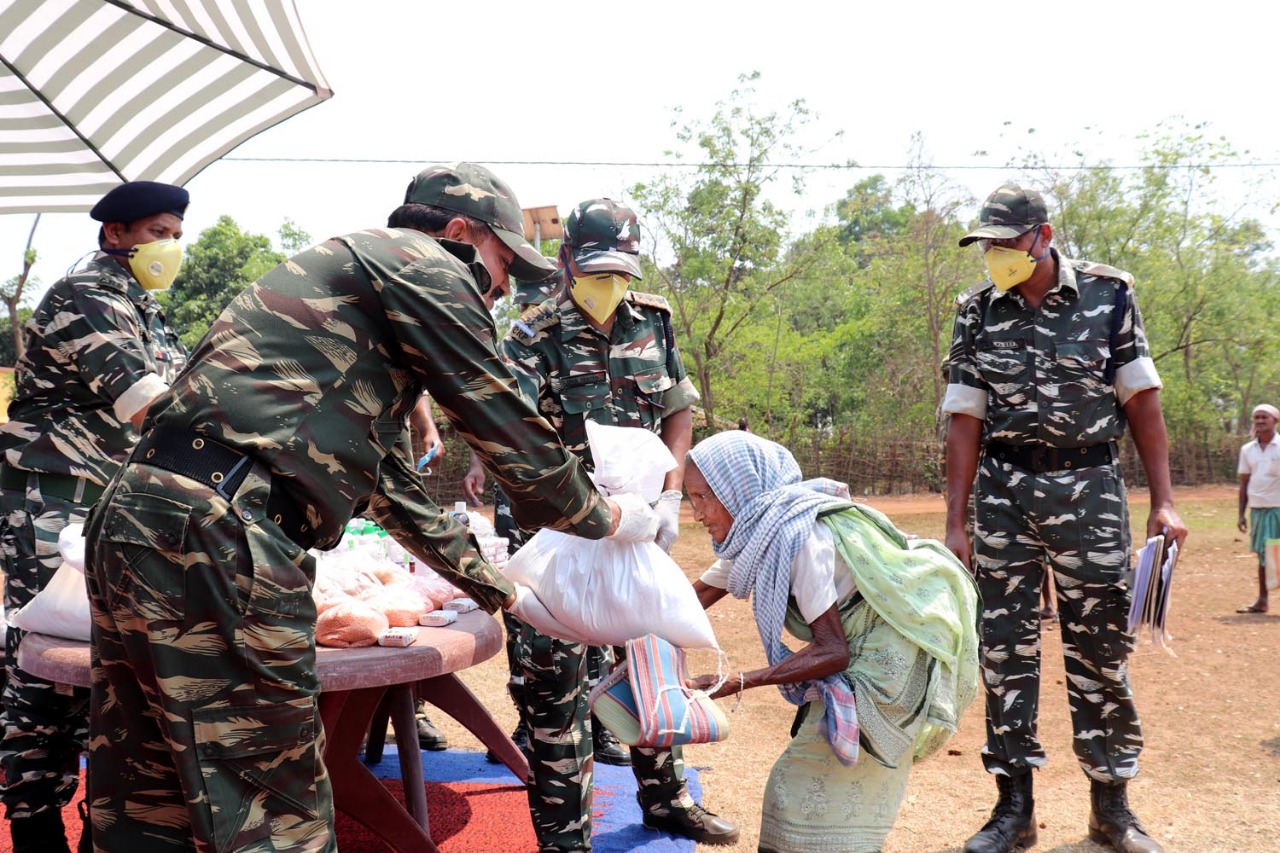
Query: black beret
[(136, 200)]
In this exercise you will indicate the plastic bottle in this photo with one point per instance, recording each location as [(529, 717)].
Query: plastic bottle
[(460, 513)]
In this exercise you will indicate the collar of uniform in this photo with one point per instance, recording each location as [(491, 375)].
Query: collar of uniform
[(467, 253), (115, 276), (1066, 277)]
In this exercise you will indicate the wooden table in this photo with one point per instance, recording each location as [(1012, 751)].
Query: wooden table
[(354, 685)]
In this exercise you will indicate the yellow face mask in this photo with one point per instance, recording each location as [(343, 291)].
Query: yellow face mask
[(599, 295), (155, 264), (1008, 268)]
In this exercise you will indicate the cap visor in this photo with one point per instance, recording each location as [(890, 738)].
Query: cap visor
[(995, 232), (528, 263), (609, 262)]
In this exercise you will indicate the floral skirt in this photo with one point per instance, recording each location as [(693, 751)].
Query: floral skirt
[(815, 804)]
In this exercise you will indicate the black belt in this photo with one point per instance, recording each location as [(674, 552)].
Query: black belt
[(1041, 459), (69, 488), (220, 468)]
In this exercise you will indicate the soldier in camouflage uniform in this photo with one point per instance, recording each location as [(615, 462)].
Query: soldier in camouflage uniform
[(599, 351), (95, 351), (1048, 362), (600, 659), (205, 731)]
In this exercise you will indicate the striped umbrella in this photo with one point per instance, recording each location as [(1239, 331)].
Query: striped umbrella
[(97, 92)]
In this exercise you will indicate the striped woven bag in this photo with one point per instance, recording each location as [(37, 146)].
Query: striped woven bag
[(645, 702)]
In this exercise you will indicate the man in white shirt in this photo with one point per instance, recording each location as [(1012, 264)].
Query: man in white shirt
[(1259, 471)]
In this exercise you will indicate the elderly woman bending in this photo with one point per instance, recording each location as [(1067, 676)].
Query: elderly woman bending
[(890, 661)]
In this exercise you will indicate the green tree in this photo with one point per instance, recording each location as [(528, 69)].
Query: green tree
[(13, 293), (720, 240), (216, 268)]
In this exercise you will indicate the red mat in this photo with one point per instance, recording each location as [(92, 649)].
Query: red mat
[(481, 809), (500, 812)]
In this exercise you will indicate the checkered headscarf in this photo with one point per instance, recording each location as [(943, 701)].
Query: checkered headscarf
[(758, 481)]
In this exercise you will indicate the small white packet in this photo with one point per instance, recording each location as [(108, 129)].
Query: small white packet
[(437, 618), (461, 605), (398, 637)]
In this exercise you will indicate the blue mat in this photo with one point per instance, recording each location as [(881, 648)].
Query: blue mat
[(616, 819)]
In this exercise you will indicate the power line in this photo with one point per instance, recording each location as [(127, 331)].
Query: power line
[(686, 165)]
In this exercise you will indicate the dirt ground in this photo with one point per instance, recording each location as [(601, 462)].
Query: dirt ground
[(1210, 776)]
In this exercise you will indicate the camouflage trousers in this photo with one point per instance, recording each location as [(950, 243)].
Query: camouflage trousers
[(44, 725), (205, 733), (1076, 523), (561, 761)]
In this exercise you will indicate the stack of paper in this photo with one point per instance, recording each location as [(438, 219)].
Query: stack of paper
[(1152, 579)]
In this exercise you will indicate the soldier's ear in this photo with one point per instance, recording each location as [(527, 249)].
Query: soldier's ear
[(459, 230)]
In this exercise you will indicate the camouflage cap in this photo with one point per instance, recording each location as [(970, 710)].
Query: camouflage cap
[(603, 236), (1011, 211), (474, 191)]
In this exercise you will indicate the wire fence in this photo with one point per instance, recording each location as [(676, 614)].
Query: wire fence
[(892, 465)]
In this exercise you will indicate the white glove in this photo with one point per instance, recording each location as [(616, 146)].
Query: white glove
[(637, 522), (528, 608), (668, 508)]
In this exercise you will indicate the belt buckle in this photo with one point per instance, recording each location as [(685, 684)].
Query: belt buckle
[(1040, 458)]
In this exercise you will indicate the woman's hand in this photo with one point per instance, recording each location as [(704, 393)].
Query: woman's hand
[(705, 682)]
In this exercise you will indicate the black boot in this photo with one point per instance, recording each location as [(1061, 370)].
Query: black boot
[(691, 821), (42, 832), (429, 737), (608, 749), (1013, 820), (1111, 822), (86, 828)]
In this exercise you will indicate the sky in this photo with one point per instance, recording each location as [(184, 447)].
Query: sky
[(533, 90)]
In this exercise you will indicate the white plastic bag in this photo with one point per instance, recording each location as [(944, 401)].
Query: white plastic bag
[(602, 592), (62, 607), (628, 459)]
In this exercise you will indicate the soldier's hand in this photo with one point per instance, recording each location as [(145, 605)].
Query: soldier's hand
[(473, 483), (668, 508), (958, 543), (1165, 520), (634, 519)]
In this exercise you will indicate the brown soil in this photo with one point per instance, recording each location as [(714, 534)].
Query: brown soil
[(1211, 769)]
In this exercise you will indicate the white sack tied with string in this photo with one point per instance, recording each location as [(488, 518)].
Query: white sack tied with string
[(604, 593)]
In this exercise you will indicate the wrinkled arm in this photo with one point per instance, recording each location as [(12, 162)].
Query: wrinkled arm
[(826, 655), (708, 594)]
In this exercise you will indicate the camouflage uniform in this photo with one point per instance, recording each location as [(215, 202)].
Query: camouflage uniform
[(94, 347), (633, 377), (204, 720), (1049, 385)]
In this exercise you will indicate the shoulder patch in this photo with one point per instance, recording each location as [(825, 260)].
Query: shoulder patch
[(535, 319), (1104, 271), (649, 300), (969, 292)]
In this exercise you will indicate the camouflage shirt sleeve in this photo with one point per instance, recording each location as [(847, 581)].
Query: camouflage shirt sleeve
[(402, 507), (1135, 369), (455, 353), (966, 391)]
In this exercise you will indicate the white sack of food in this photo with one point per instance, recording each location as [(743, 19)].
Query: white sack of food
[(602, 592)]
